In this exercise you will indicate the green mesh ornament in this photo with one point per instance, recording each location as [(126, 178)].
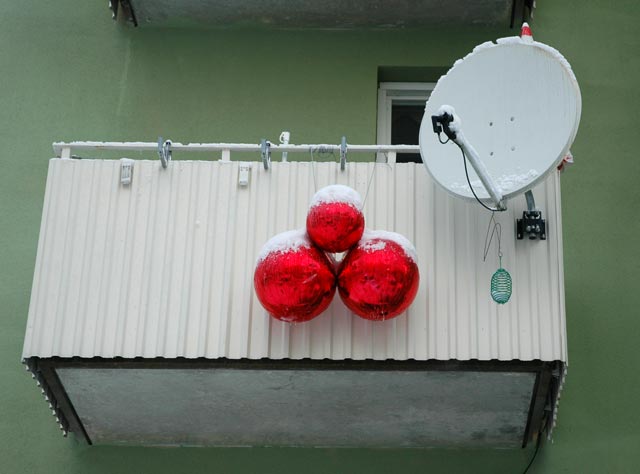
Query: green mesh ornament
[(501, 286), (500, 280)]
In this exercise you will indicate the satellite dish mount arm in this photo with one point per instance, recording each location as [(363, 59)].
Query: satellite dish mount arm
[(447, 122)]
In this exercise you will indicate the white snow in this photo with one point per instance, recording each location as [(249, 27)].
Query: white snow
[(485, 45), (291, 240), (505, 182), (446, 109), (545, 47), (480, 47), (518, 40), (373, 245), (366, 242), (337, 193), (510, 40), (457, 122)]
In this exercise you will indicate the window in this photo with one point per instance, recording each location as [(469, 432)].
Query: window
[(400, 111)]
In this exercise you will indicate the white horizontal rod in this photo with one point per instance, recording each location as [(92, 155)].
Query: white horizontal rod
[(58, 147)]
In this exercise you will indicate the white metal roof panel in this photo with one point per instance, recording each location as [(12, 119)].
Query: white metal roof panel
[(164, 267)]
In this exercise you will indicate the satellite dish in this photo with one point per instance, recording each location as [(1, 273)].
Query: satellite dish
[(515, 104)]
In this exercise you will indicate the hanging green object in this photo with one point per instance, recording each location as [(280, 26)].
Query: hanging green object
[(501, 286)]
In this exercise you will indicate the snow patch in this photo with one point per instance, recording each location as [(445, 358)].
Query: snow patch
[(366, 242), (337, 193), (510, 40), (289, 241), (480, 47), (517, 40), (483, 46), (454, 126), (505, 182), (373, 245)]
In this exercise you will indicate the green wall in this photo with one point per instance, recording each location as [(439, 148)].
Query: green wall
[(67, 72)]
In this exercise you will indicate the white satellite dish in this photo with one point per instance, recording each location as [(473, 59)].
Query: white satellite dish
[(517, 108)]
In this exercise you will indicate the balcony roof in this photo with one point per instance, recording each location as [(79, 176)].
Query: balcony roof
[(322, 14)]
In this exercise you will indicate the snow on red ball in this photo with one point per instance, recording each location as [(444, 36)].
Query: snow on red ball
[(335, 222), (293, 279), (379, 278)]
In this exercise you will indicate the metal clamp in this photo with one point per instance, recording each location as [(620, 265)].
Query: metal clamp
[(343, 154), (164, 151), (265, 152)]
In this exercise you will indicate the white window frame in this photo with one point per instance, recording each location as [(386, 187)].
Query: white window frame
[(390, 93)]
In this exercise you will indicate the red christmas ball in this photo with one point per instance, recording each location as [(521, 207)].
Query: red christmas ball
[(335, 222), (293, 279), (379, 278)]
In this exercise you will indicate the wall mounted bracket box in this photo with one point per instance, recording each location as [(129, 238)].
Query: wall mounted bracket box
[(144, 327)]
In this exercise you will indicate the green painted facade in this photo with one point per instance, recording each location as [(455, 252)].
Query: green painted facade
[(67, 72)]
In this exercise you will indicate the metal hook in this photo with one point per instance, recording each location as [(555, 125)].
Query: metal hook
[(164, 151), (265, 151), (343, 153)]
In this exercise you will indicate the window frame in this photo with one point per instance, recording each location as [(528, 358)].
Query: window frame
[(390, 93)]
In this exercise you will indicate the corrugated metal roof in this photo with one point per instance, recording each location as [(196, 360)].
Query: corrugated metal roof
[(164, 267)]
